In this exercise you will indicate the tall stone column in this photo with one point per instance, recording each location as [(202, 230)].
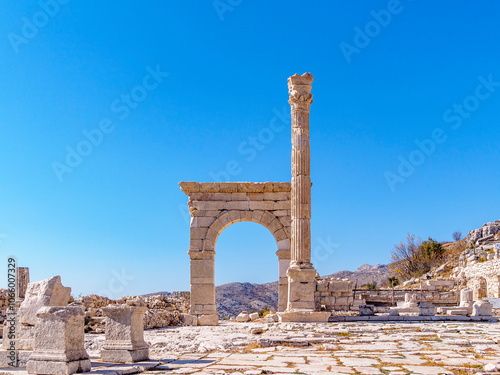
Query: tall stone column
[(301, 274)]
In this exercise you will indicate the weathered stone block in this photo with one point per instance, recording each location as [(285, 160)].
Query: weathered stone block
[(49, 292), (466, 297), (243, 317), (366, 310), (426, 309), (203, 294), (482, 308), (254, 316), (208, 320), (59, 342), (202, 268), (274, 225), (198, 233), (124, 335), (202, 221)]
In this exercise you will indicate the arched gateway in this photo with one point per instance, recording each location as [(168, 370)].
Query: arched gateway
[(214, 207)]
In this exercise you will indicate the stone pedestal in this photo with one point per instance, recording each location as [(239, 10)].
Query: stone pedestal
[(124, 335), (59, 342), (482, 308), (301, 288), (466, 297), (426, 309)]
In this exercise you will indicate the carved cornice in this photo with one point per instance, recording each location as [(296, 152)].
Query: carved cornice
[(189, 187), (299, 90)]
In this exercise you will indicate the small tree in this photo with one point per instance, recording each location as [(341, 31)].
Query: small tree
[(414, 258), (405, 257), (457, 235), (393, 281)]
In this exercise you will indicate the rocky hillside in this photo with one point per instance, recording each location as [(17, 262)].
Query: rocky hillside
[(365, 274), (233, 298), (486, 233)]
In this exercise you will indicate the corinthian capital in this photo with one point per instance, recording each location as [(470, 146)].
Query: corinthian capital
[(299, 89)]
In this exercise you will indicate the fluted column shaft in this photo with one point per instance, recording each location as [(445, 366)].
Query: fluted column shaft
[(299, 89)]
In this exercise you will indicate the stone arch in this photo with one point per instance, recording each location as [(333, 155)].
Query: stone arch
[(214, 207), (227, 218)]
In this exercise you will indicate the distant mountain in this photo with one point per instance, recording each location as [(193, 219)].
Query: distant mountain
[(365, 274)]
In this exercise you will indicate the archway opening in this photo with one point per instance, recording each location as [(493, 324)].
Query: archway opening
[(246, 269)]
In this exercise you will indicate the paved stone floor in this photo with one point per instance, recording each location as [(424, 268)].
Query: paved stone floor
[(348, 348)]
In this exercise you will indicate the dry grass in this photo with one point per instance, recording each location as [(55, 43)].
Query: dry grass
[(249, 348)]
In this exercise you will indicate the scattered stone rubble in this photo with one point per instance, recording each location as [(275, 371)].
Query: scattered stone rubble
[(484, 234), (162, 310)]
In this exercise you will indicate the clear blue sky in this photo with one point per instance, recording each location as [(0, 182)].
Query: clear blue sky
[(386, 75)]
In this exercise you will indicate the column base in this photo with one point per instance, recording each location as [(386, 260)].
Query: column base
[(44, 367), (124, 356), (301, 288), (208, 320), (304, 316)]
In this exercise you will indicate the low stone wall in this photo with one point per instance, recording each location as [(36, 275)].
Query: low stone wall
[(482, 277), (333, 294), (385, 297)]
